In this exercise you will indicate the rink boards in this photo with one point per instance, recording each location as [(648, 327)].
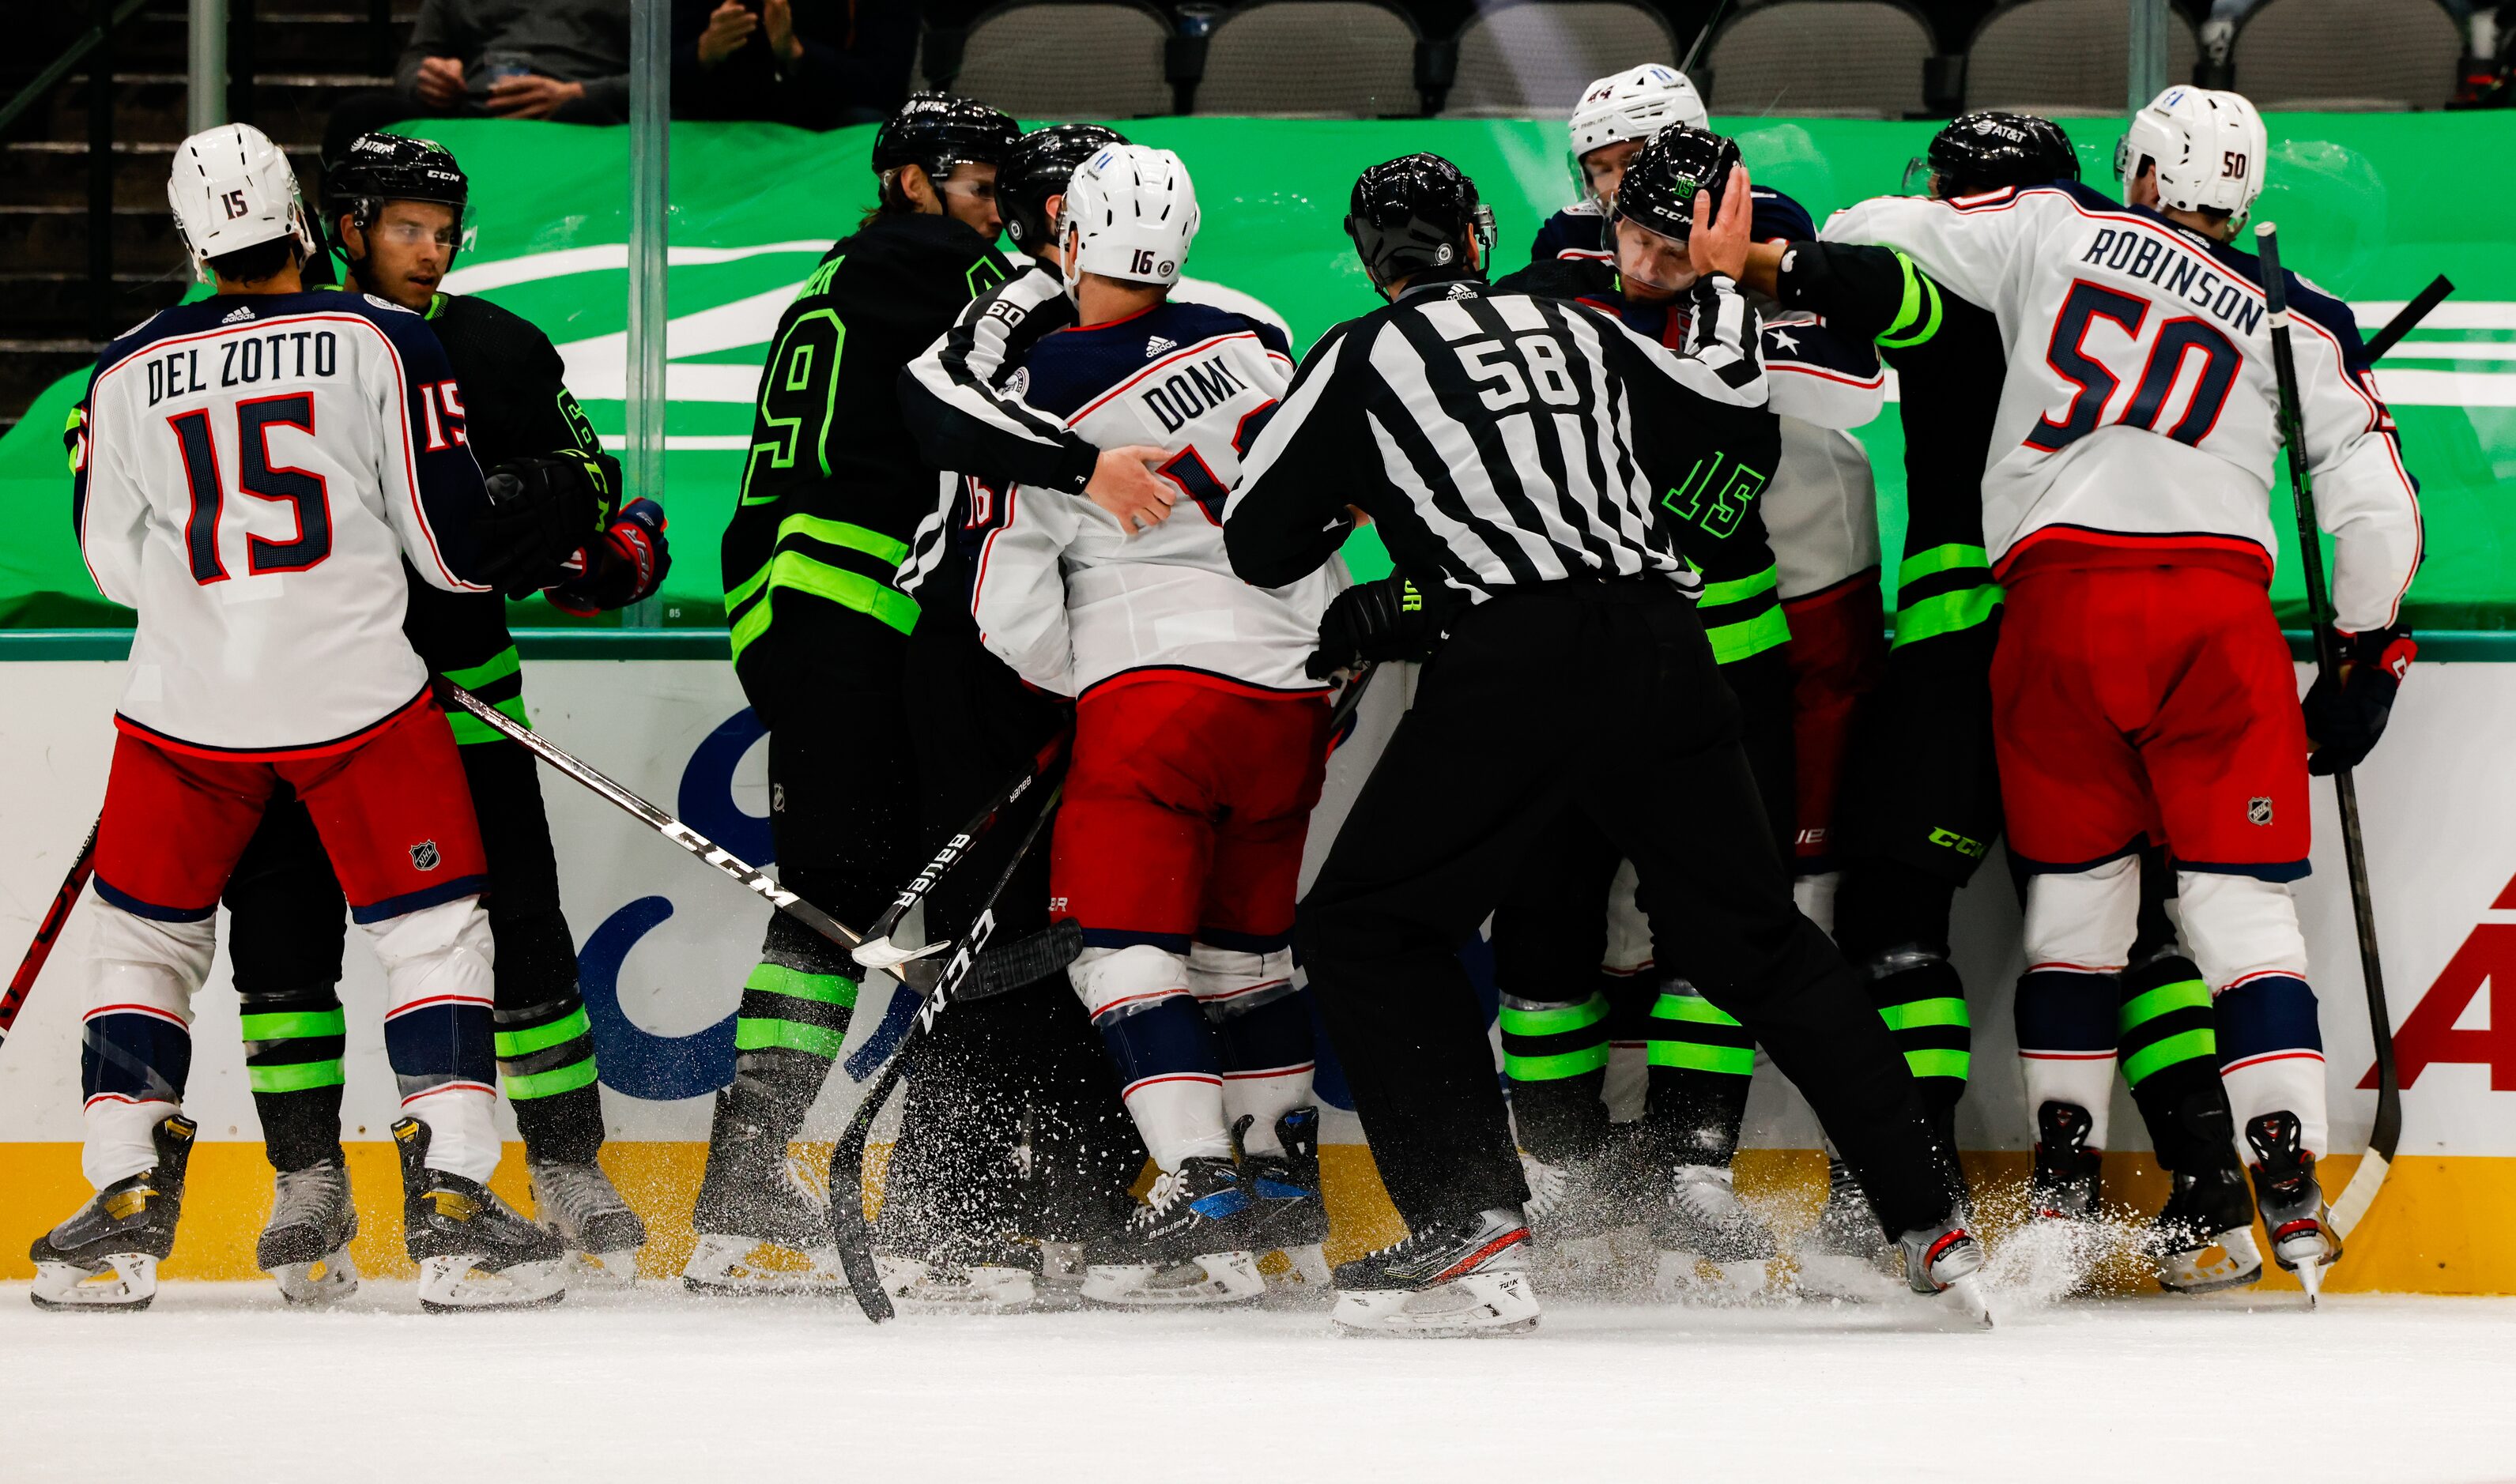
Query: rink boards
[(665, 944)]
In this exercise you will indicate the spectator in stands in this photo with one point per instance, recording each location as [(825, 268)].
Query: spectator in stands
[(563, 60), (813, 63)]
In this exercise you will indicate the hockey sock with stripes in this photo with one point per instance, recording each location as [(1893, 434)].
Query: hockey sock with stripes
[(1919, 996), (1173, 1082), (2168, 1045), (1267, 1055), (545, 1044), (1555, 1060), (797, 1003), (2066, 1044), (136, 1038), (293, 1043), (439, 989), (2271, 1053), (1701, 1063)]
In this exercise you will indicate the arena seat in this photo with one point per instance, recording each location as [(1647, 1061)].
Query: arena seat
[(2355, 55), (1033, 59), (1308, 58), (1532, 59), (1843, 58), (2061, 58)]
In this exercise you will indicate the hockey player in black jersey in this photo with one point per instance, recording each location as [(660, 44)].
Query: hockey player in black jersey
[(1922, 802), (832, 490), (396, 207)]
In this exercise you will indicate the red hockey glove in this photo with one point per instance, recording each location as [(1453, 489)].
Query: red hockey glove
[(2345, 717), (624, 564)]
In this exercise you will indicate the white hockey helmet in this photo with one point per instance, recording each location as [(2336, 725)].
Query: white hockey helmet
[(231, 187), (2210, 148), (1132, 213), (1632, 105)]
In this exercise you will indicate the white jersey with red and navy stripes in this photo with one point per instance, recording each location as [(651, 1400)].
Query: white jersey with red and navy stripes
[(251, 473), (1070, 600), (2140, 405)]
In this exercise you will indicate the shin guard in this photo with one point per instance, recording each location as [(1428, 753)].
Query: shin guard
[(136, 1042), (439, 987), (1138, 997)]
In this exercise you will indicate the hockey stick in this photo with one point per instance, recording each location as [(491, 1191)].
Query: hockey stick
[(848, 1230), (2407, 318), (2386, 1135), (47, 933), (878, 951), (1686, 69), (655, 819)]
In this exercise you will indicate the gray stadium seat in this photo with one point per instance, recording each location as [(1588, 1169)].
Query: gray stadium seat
[(1857, 59), (2065, 57), (1312, 58), (1097, 59), (1531, 60), (2348, 54)]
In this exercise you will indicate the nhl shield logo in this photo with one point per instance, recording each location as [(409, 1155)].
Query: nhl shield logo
[(423, 856), (2258, 811)]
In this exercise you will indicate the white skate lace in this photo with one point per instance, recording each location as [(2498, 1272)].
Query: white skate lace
[(576, 1194), (1547, 1185), (1706, 1194), (308, 1197)]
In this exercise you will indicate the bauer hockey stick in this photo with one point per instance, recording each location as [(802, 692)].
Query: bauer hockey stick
[(48, 933), (848, 1230), (878, 951), (2385, 1136)]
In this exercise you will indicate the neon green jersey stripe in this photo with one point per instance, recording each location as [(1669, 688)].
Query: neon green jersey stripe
[(469, 728), (497, 667), (524, 1043), (1946, 613), (284, 1024), (1921, 302), (2185, 994), (779, 979), (294, 1076), (1735, 1060), (787, 1035), (2186, 1046), (1555, 1021), (1693, 1009), (1555, 1068), (874, 543), (1731, 642), (849, 590), (1715, 594), (1940, 1061), (1914, 1013), (1942, 558), (551, 1083)]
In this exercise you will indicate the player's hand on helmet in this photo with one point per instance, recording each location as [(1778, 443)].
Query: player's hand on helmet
[(1391, 619), (1124, 484), (2346, 713), (1718, 241), (542, 511)]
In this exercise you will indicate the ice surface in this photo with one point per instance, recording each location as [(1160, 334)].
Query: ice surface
[(218, 1381)]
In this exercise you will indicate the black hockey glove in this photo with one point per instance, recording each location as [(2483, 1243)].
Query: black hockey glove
[(1391, 619), (542, 511), (2345, 717)]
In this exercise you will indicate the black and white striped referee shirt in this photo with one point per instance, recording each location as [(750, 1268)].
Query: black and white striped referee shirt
[(1503, 440)]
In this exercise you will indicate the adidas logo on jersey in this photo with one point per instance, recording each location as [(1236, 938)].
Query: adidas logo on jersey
[(239, 314), (1158, 345)]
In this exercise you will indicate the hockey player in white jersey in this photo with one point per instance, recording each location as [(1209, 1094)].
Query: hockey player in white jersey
[(1616, 113), (254, 471), (2141, 683), (1199, 742)]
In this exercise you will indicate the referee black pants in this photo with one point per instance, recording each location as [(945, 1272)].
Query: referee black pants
[(1600, 698)]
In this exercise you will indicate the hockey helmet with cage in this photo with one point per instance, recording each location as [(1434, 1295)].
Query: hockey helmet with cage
[(231, 188), (1131, 213), (1042, 164), (2209, 147), (1987, 151), (1414, 213), (1633, 105), (935, 131), (1663, 179)]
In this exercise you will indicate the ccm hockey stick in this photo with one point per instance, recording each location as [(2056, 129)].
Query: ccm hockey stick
[(878, 951), (47, 933), (2386, 1135), (848, 1230)]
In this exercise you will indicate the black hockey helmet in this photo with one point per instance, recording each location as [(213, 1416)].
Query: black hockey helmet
[(1662, 179), (1040, 165), (1414, 213), (380, 167), (1985, 151), (935, 131)]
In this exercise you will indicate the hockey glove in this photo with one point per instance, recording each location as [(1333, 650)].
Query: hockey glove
[(2346, 714), (1391, 619), (541, 513), (623, 565)]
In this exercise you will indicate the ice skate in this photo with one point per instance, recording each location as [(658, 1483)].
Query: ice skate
[(1191, 1242), (1464, 1277), (1945, 1259), (1589, 1195), (106, 1255), (304, 1247), (2204, 1237), (763, 1229), (1702, 1222), (1846, 1255), (473, 1250), (2292, 1202), (984, 1276), (2068, 1174), (584, 1208), (1292, 1210)]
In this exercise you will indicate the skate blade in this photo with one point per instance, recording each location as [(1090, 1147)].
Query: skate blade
[(1845, 1277), (2232, 1262), (1479, 1303), (609, 1270), (118, 1283), (1685, 1277), (319, 1284), (1305, 1266), (1207, 1278), (1971, 1299), (921, 1286), (2310, 1277), (458, 1285), (726, 1266)]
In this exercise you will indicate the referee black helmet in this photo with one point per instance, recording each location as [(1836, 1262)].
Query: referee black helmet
[(1416, 212), (1662, 179), (1985, 151), (1039, 165)]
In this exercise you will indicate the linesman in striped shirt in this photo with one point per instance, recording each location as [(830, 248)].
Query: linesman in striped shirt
[(1510, 449)]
